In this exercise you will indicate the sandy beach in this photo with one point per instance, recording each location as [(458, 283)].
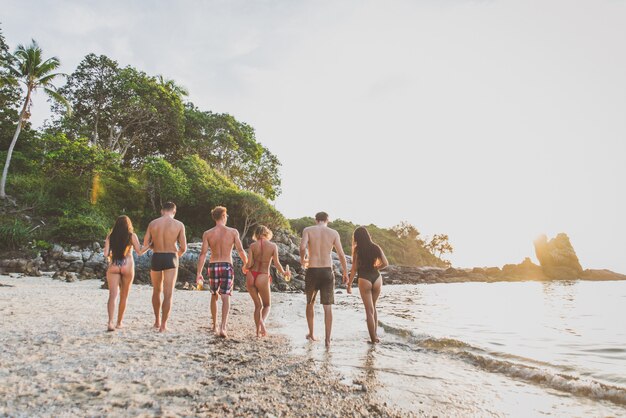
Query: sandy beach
[(57, 360)]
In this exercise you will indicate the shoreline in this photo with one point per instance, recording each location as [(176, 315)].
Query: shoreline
[(61, 363), (76, 264)]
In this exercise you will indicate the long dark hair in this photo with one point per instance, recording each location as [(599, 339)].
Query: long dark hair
[(120, 237), (363, 246)]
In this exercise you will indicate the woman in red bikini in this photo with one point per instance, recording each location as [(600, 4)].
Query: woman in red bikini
[(118, 250), (258, 279)]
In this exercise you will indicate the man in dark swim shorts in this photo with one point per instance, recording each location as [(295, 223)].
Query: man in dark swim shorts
[(322, 280), (315, 252)]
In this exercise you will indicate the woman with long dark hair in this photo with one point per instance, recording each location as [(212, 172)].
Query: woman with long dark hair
[(118, 250), (367, 259)]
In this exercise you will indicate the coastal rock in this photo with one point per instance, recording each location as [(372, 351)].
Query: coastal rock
[(72, 256), (604, 274), (526, 270), (56, 251), (29, 267), (557, 257)]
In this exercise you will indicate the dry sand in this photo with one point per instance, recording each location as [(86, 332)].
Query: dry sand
[(57, 360)]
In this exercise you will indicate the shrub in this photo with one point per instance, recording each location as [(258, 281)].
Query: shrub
[(14, 234), (81, 228)]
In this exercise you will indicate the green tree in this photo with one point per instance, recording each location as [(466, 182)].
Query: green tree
[(124, 110), (10, 94), (405, 230), (253, 210), (164, 182), (29, 67), (230, 146), (439, 245)]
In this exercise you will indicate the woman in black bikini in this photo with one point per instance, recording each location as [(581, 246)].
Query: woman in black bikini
[(258, 279), (118, 250), (367, 259)]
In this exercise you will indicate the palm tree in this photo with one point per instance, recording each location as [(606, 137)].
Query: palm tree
[(28, 67), (171, 85)]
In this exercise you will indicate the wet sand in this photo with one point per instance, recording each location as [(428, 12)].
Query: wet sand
[(56, 359)]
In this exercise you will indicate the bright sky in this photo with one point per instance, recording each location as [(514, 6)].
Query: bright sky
[(491, 121)]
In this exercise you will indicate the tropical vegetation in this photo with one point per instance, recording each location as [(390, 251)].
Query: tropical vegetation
[(122, 141)]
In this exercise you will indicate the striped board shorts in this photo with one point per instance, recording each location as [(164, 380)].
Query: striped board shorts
[(221, 278)]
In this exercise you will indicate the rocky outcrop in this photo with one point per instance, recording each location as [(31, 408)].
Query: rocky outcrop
[(75, 263), (28, 266), (557, 257), (591, 274), (526, 270)]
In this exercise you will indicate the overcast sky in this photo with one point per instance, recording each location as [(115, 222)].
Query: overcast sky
[(491, 121)]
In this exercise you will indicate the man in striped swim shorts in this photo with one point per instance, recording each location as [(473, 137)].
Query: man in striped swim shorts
[(220, 240)]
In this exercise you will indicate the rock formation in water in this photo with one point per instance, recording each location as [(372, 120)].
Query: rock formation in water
[(557, 257)]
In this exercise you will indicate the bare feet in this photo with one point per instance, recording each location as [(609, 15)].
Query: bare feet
[(214, 328), (327, 343), (110, 327), (223, 334), (163, 328), (156, 325), (263, 330), (311, 337), (119, 325)]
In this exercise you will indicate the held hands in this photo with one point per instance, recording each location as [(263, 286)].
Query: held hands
[(349, 288), (244, 270), (344, 280)]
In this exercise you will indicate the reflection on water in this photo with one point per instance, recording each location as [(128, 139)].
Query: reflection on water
[(482, 348)]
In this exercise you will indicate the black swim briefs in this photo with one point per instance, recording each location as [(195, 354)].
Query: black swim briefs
[(164, 261)]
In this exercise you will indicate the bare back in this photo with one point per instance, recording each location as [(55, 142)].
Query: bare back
[(165, 232), (320, 241), (262, 254), (221, 241)]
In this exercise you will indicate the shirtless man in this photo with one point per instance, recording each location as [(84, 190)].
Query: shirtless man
[(163, 235), (221, 240), (319, 240)]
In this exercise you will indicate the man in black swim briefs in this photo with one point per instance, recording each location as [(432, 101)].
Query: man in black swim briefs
[(166, 237)]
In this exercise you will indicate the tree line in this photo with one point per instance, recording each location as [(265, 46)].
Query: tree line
[(121, 141)]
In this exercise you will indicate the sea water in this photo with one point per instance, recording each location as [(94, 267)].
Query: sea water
[(481, 349)]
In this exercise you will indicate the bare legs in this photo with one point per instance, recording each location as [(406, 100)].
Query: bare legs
[(261, 296), (162, 281), (157, 287), (113, 280), (310, 319), (369, 294), (225, 310), (119, 283), (169, 281), (127, 281), (328, 321), (214, 311)]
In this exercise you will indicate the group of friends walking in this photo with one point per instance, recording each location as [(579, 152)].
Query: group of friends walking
[(166, 238)]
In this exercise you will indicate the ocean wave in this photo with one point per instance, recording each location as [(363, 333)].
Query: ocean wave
[(527, 370)]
